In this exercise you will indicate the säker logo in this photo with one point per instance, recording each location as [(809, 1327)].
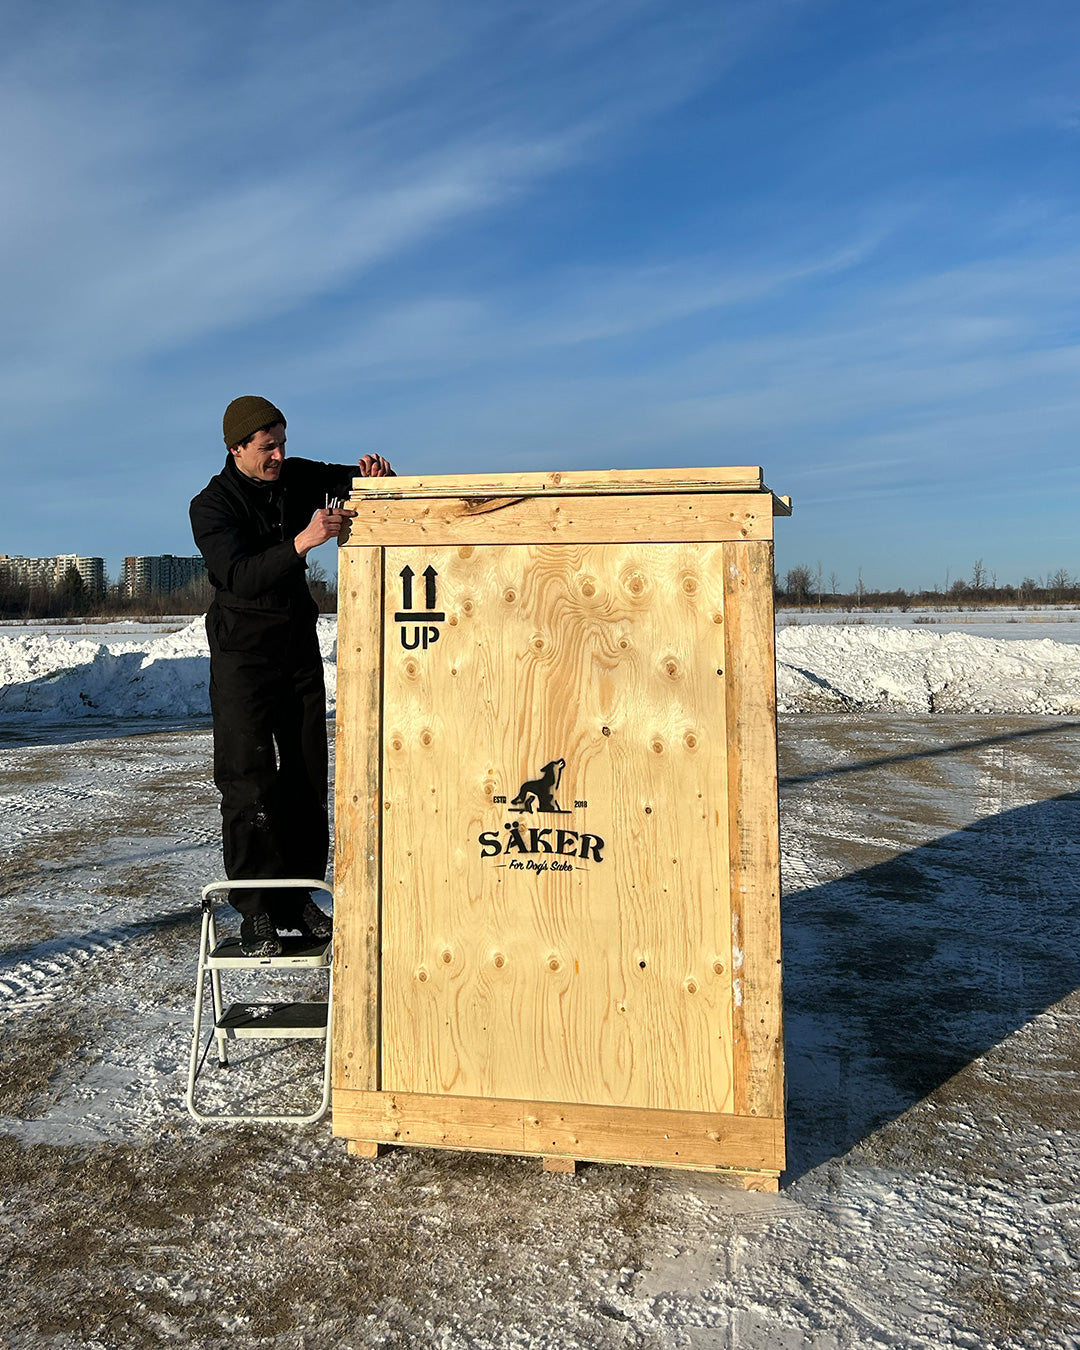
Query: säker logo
[(537, 796)]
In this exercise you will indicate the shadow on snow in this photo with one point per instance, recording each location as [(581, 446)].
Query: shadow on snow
[(900, 975)]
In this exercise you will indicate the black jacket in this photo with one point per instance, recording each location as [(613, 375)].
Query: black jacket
[(245, 529)]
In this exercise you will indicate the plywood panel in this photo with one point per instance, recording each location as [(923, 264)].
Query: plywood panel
[(502, 519), (754, 828), (581, 953), (356, 820), (694, 1139)]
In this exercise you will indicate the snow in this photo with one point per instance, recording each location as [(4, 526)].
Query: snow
[(1060, 622), (166, 675), (868, 667), (932, 968), (820, 667)]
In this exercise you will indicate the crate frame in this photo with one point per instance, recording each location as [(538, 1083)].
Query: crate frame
[(727, 507)]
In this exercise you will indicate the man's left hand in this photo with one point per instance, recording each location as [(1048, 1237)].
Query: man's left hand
[(374, 466)]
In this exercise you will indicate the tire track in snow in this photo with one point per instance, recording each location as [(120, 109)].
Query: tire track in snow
[(41, 974)]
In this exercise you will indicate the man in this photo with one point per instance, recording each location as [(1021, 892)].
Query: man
[(255, 523)]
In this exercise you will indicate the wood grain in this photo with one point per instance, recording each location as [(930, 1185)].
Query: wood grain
[(754, 828), (567, 1129), (357, 819), (688, 518), (592, 482), (610, 981), (624, 1006), (365, 1148)]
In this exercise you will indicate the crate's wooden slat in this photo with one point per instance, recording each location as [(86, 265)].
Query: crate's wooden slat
[(635, 1135), (592, 482), (674, 518), (357, 817), (432, 1121), (546, 1129), (754, 827)]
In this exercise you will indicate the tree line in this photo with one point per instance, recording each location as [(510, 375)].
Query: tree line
[(800, 586), (803, 585)]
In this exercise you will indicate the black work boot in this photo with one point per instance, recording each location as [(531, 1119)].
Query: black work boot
[(258, 936), (313, 923)]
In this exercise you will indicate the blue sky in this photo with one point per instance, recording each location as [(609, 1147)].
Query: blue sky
[(838, 240)]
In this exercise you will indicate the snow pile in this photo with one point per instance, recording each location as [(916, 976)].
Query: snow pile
[(863, 667), (818, 669), (168, 676)]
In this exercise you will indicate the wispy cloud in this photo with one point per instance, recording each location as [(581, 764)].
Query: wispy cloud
[(834, 238), (575, 307), (167, 194)]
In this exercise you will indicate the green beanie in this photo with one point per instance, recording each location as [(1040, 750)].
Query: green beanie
[(246, 415)]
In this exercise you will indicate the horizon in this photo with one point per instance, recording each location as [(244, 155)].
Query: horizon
[(953, 589), (832, 239)]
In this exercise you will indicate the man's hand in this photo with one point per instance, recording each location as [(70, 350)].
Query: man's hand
[(374, 466), (325, 524)]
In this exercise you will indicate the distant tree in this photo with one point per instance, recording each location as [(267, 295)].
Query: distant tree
[(194, 596), (834, 583), (322, 590), (1058, 582), (798, 582), (978, 575), (71, 593)]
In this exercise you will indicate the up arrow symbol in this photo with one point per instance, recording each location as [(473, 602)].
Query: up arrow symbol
[(429, 575), (407, 575)]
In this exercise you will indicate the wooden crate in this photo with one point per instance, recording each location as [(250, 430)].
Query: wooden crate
[(556, 872)]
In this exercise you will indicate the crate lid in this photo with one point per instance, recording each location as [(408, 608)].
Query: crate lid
[(577, 482)]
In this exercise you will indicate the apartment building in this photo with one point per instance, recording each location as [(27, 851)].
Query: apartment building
[(160, 574), (51, 572)]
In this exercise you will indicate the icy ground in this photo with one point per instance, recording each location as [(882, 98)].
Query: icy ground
[(932, 968), (1059, 622)]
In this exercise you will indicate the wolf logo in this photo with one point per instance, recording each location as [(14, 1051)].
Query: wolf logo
[(538, 794)]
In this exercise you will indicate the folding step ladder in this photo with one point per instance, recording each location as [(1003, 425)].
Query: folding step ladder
[(259, 1021)]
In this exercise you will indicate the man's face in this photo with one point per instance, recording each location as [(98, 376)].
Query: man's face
[(262, 456)]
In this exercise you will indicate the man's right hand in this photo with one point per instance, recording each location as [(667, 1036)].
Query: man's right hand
[(324, 524)]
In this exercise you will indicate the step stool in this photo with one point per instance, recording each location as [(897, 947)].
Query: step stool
[(259, 1021)]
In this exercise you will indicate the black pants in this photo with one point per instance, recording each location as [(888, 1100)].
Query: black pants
[(270, 766)]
